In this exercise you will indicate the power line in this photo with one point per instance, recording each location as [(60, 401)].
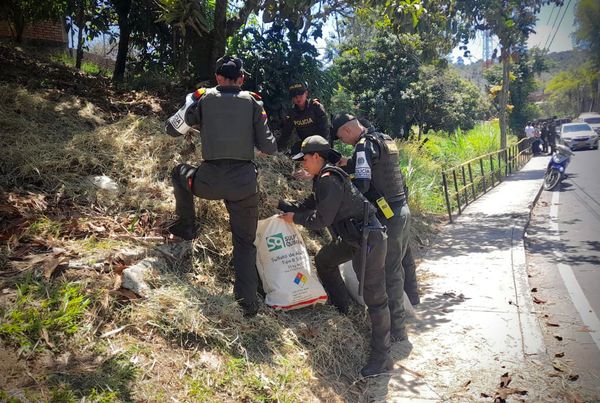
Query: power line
[(551, 29), (547, 23), (551, 12), (561, 20)]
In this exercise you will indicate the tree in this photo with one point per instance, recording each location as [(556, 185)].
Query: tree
[(573, 91), (379, 78), (444, 101), (587, 20), (511, 21)]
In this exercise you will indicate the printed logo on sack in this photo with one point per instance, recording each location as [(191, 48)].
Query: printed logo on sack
[(275, 242), (300, 278), (278, 241)]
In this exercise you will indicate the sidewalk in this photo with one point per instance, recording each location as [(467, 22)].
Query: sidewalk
[(476, 320)]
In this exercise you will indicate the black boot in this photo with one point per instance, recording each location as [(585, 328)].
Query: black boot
[(183, 230), (379, 360), (398, 335)]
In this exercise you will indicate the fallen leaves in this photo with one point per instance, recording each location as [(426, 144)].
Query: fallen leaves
[(503, 391), (538, 300)]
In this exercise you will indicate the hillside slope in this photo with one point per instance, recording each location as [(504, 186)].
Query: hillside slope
[(68, 331)]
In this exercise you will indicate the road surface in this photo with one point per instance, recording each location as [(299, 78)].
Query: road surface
[(563, 256)]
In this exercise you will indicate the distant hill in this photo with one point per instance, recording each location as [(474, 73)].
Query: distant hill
[(557, 61)]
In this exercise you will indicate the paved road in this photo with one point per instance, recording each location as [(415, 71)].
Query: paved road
[(563, 245)]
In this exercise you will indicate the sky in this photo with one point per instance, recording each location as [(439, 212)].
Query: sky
[(546, 28)]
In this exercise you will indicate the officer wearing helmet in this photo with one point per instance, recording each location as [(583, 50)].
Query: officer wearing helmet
[(337, 204), (231, 122), (307, 118)]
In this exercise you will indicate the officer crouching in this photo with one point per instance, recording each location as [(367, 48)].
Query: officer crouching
[(231, 122), (337, 204)]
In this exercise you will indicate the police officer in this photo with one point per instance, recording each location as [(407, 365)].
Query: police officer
[(376, 169), (231, 123), (337, 204), (307, 117)]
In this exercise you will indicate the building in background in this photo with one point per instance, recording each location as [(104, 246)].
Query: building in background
[(48, 33)]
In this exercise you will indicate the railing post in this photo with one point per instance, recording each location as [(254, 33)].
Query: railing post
[(500, 167), (456, 189), (448, 206), (482, 175), (492, 170), (471, 179), (464, 179)]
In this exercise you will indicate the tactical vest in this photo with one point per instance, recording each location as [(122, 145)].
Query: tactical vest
[(227, 125), (386, 176), (348, 220), (305, 121)]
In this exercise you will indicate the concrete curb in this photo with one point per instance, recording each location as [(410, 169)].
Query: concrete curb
[(531, 328)]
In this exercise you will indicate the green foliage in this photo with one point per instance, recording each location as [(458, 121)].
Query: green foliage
[(86, 66), (276, 57), (422, 162), (573, 90), (587, 20), (42, 309), (379, 77), (445, 101)]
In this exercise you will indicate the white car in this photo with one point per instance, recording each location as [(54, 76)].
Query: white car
[(578, 135), (592, 119)]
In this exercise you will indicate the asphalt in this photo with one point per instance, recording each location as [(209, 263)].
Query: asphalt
[(477, 319)]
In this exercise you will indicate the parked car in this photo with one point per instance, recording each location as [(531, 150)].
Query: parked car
[(592, 119), (578, 135)]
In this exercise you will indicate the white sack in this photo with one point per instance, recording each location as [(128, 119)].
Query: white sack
[(351, 281), (284, 266)]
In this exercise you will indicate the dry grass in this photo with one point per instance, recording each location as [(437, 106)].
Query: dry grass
[(187, 340)]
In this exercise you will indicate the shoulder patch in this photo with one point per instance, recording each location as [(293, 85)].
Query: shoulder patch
[(362, 140), (255, 96), (199, 92)]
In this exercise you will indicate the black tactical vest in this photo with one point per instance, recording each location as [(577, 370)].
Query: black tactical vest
[(386, 176), (348, 220), (227, 125)]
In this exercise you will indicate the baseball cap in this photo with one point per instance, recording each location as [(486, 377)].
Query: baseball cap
[(340, 120), (317, 144), (297, 88), (230, 67)]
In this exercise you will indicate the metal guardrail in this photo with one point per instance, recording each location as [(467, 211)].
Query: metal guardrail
[(475, 177)]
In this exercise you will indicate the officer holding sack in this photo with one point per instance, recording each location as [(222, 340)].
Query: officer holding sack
[(377, 174), (231, 123), (337, 204), (307, 117)]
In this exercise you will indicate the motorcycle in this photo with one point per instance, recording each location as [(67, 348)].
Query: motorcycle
[(555, 172)]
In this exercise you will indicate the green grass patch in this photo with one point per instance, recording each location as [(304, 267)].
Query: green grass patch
[(42, 310), (423, 162), (86, 66), (45, 227), (111, 381)]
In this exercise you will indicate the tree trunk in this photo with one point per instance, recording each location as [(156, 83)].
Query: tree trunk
[(80, 24), (505, 55), (219, 38), (123, 7)]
